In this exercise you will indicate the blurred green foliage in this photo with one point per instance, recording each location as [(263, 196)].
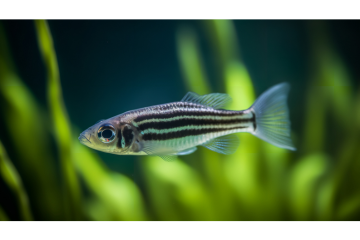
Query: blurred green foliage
[(12, 179), (258, 182)]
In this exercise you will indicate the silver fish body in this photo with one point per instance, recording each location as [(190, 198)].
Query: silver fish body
[(178, 128)]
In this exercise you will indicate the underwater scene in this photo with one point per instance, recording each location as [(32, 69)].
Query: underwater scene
[(60, 77)]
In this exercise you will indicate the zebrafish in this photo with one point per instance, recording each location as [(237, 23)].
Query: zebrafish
[(177, 128)]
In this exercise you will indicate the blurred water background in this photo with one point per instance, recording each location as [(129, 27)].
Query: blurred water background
[(57, 78)]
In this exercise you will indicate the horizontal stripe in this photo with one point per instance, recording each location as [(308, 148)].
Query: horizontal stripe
[(172, 114), (185, 133), (170, 108), (147, 115), (181, 119), (192, 127), (177, 116), (185, 121)]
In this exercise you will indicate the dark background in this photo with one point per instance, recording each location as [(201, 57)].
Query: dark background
[(109, 67)]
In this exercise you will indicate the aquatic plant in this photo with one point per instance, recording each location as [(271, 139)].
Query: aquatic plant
[(258, 182)]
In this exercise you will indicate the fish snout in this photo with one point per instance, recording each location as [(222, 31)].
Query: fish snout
[(84, 138)]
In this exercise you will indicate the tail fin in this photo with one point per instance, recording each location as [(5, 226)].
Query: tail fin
[(272, 117)]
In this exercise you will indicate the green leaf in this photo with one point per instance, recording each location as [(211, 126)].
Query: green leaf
[(24, 117), (176, 191), (60, 121), (305, 177), (118, 194), (13, 180), (3, 216), (191, 62)]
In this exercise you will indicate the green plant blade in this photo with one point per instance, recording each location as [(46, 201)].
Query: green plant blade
[(302, 186), (3, 216), (119, 196), (190, 62), (23, 117), (60, 121), (176, 191), (13, 180)]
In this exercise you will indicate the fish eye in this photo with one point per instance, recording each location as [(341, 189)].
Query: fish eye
[(106, 133)]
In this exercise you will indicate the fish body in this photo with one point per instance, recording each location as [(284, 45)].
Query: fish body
[(177, 128)]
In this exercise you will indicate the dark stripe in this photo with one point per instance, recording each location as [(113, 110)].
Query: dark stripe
[(184, 133), (187, 122), (253, 119), (221, 113)]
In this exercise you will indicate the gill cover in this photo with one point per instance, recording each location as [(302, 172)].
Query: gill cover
[(126, 137)]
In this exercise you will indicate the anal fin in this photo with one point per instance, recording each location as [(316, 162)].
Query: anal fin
[(225, 145)]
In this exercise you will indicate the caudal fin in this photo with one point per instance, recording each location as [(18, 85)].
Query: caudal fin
[(272, 117)]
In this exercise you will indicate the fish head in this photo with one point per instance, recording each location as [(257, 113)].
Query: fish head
[(111, 136), (102, 136)]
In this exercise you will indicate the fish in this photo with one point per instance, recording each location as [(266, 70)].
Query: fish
[(178, 128)]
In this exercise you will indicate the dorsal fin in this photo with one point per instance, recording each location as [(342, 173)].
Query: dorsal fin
[(213, 100)]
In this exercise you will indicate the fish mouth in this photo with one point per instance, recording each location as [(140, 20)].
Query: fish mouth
[(83, 139)]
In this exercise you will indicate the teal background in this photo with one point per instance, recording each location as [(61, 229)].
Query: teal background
[(109, 67)]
